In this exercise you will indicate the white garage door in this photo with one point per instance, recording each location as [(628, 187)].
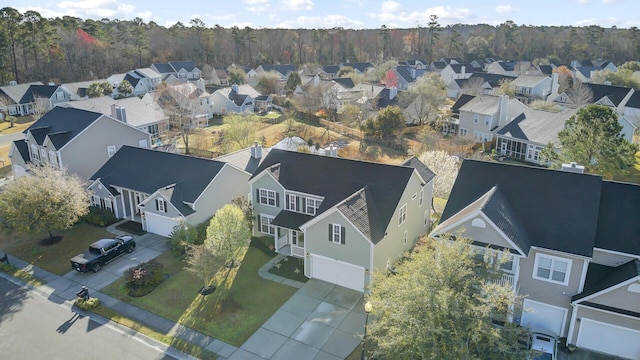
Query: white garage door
[(609, 339), (540, 316), (159, 224), (337, 272)]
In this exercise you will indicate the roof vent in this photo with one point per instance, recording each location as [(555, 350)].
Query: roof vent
[(573, 167)]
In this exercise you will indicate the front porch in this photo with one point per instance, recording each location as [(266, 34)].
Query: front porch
[(285, 246), (288, 239)]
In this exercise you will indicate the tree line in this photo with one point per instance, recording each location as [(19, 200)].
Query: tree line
[(67, 48)]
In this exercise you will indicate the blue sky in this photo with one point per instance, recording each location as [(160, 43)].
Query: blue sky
[(355, 14)]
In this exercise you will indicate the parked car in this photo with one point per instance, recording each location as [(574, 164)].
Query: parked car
[(101, 252), (544, 346)]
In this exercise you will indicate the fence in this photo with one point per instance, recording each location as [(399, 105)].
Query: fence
[(343, 130)]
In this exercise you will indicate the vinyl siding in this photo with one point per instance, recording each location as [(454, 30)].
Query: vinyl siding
[(99, 190), (610, 259), (227, 185), (547, 292), (487, 235), (355, 250), (602, 316), (265, 181), (87, 152), (392, 246), (150, 207), (620, 298)]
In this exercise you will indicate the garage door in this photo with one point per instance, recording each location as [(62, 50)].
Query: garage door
[(540, 316), (159, 224), (609, 339), (337, 272)]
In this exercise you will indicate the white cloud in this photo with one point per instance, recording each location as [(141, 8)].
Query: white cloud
[(501, 9), (607, 2), (390, 7), (97, 9), (296, 5), (583, 2), (322, 22), (256, 2)]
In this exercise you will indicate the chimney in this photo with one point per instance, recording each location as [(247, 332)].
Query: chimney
[(503, 106), (316, 80), (256, 151), (555, 85), (573, 167), (119, 112), (331, 151), (462, 70), (234, 87)]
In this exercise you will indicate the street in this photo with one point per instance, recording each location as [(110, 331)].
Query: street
[(33, 327)]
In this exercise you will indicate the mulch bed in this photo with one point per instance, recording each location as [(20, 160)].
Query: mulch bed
[(131, 227)]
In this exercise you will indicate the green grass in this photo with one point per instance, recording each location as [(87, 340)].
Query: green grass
[(633, 175), (287, 268), (54, 258), (240, 305)]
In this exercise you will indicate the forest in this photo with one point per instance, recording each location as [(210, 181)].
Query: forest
[(69, 49)]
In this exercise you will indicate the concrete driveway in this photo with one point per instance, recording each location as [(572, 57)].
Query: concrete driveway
[(320, 321), (148, 246)]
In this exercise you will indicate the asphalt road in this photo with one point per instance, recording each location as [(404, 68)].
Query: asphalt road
[(9, 138), (33, 327)]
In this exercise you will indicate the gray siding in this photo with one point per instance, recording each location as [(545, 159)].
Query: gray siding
[(620, 298), (150, 207), (265, 182), (227, 185), (610, 259), (85, 154), (355, 250), (487, 235), (547, 292), (100, 190), (392, 246), (602, 316)]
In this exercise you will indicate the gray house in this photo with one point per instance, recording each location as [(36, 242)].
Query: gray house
[(572, 243), (345, 218), (80, 141), (162, 190)]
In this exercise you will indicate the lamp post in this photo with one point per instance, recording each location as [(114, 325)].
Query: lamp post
[(367, 309)]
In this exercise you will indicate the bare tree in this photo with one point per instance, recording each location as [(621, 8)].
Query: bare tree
[(422, 100), (580, 94), (473, 86), (186, 113)]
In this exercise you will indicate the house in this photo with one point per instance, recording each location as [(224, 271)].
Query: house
[(78, 140), (525, 136), (511, 68), (146, 116), (142, 81), (235, 99), (182, 70), (456, 71), (405, 76), (359, 67), (329, 71), (452, 125), (26, 99), (572, 245), (184, 101), (534, 87), (282, 71), (478, 83), (632, 108), (79, 90), (162, 190), (345, 218), (481, 116)]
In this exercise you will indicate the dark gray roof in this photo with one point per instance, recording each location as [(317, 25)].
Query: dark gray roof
[(338, 179), (346, 83), (23, 149), (618, 220), (405, 73), (237, 99), (546, 69), (615, 93), (132, 77), (462, 100), (62, 120), (439, 65), (290, 219), (601, 277), (426, 173), (331, 69), (282, 69), (187, 65), (35, 91), (557, 210), (634, 100), (493, 79), (163, 68), (360, 66), (147, 171)]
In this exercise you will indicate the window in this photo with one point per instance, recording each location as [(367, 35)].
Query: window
[(402, 214), (95, 200), (143, 144), (426, 218), (405, 238), (53, 160), (292, 202), (476, 118), (487, 120), (421, 197), (34, 152), (312, 206), (337, 233), (552, 269), (59, 95), (161, 205), (268, 197), (43, 155), (111, 150), (463, 132), (265, 225)]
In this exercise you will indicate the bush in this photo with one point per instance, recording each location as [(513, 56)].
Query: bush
[(182, 234), (146, 274), (90, 304), (99, 217)]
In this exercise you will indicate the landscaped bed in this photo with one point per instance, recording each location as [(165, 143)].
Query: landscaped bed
[(242, 302), (291, 268)]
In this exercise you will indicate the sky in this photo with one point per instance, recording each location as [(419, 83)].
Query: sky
[(353, 14)]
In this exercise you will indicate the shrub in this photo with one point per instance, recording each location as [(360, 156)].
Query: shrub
[(90, 304), (146, 274), (99, 217), (180, 235)]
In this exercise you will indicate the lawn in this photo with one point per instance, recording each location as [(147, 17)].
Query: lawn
[(633, 175), (240, 305), (54, 258)]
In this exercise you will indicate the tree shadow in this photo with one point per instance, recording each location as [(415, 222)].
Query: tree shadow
[(12, 299), (49, 241)]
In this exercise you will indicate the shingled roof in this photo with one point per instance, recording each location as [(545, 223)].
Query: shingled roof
[(147, 171), (557, 210), (348, 184), (61, 120), (601, 277)]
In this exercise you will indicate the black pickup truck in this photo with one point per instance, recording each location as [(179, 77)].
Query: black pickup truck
[(101, 252)]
